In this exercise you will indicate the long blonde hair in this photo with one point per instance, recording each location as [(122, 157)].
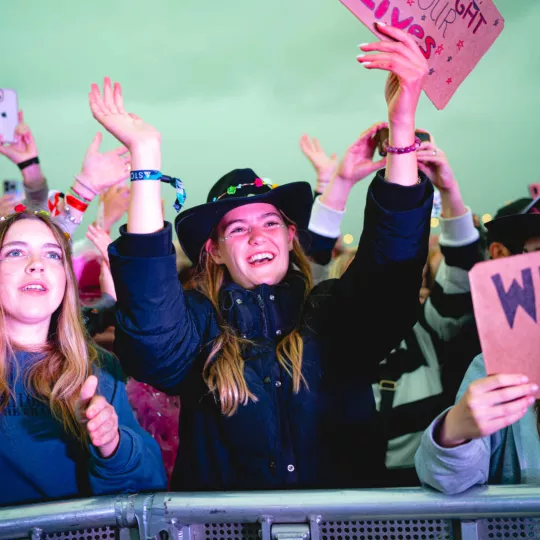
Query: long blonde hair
[(224, 368), (57, 378), (341, 263)]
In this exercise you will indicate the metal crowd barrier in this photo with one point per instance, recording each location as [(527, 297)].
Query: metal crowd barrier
[(387, 514)]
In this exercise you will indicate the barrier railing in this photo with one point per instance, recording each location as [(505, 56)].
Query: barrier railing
[(390, 514)]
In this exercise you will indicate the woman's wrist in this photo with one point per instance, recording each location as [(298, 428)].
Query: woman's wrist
[(447, 436), (146, 156), (33, 175), (336, 193), (452, 203), (82, 186)]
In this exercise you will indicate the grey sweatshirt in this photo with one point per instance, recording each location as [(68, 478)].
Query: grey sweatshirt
[(509, 456)]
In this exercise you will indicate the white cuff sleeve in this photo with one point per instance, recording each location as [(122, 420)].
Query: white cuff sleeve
[(459, 231), (325, 220)]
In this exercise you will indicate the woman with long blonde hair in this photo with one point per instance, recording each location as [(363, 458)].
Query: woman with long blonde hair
[(66, 428), (272, 373)]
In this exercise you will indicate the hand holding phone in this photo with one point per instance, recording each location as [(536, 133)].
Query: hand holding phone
[(9, 114), (15, 189)]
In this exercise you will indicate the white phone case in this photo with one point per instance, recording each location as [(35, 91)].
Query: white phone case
[(9, 114)]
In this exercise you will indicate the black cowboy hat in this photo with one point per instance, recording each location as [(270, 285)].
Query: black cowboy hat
[(515, 223), (237, 188)]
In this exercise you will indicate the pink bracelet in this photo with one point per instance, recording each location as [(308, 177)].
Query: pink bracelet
[(404, 150)]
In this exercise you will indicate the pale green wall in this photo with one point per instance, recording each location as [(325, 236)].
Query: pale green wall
[(235, 84)]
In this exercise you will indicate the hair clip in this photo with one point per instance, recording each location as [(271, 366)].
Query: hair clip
[(41, 213), (20, 208), (67, 235)]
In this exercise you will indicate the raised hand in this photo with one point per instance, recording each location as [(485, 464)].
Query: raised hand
[(433, 162), (100, 239), (357, 162), (115, 204), (324, 166), (108, 109), (24, 147), (100, 171), (489, 405), (408, 69), (99, 417)]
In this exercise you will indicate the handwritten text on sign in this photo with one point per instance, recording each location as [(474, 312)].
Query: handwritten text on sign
[(506, 297), (452, 34)]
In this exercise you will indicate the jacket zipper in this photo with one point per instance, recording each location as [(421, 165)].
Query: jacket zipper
[(262, 306)]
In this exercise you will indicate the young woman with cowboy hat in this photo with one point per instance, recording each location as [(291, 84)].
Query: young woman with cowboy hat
[(273, 392)]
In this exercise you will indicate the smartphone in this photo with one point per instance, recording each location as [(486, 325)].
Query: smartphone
[(9, 114), (14, 188), (383, 133)]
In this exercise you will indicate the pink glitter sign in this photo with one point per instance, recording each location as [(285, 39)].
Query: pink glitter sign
[(452, 34)]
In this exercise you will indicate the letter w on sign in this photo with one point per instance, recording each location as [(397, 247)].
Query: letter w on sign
[(506, 296), (452, 34)]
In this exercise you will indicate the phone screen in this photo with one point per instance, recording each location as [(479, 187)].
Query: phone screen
[(15, 188), (9, 114)]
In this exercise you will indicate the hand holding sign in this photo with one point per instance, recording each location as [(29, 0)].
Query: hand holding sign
[(99, 417), (506, 294), (489, 405), (399, 54), (452, 35)]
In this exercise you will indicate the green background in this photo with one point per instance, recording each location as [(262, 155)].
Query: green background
[(235, 84)]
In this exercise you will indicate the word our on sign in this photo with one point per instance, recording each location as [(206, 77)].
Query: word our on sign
[(506, 298), (453, 35)]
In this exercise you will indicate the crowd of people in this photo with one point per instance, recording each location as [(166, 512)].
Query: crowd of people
[(223, 359)]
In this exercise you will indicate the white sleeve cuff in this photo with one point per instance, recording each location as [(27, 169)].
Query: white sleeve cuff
[(325, 220), (458, 231)]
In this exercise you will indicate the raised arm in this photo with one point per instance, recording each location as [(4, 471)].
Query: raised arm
[(144, 143), (449, 306), (408, 69), (24, 153), (329, 209), (158, 336), (324, 165), (377, 296)]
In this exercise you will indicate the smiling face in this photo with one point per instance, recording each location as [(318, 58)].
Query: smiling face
[(32, 274), (254, 244)]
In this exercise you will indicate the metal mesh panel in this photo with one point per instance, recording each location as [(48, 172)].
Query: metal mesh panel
[(509, 528), (409, 529), (232, 531), (102, 533)]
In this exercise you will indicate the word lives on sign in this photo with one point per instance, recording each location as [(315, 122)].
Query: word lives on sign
[(506, 298), (453, 35)]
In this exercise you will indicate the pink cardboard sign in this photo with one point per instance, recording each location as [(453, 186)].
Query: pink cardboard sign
[(506, 298), (453, 35)]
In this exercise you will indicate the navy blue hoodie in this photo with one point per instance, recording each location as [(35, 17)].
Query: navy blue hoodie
[(40, 461)]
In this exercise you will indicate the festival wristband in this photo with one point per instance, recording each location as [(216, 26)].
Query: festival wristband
[(76, 194), (175, 182), (23, 164), (145, 175), (75, 203)]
